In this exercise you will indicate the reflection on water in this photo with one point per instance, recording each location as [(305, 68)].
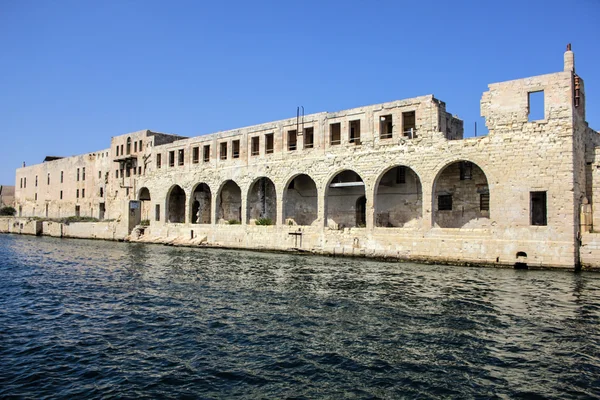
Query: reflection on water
[(94, 319)]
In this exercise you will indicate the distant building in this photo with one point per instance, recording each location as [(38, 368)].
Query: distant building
[(7, 196), (390, 180)]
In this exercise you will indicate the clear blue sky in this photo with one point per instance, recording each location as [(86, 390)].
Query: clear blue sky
[(75, 73)]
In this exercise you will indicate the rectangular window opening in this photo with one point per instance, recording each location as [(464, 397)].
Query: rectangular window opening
[(135, 147), (180, 155), (235, 149), (172, 158), (77, 193), (83, 174), (309, 138), (255, 146), (158, 160), (223, 151), (157, 212), (48, 178), (538, 208), (484, 202), (466, 170), (355, 131), (292, 139), (196, 155), (535, 106), (82, 193), (61, 194), (409, 127), (206, 153), (335, 134), (445, 202), (269, 143), (386, 127), (401, 175)]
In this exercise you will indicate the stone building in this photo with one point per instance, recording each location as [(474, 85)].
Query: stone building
[(7, 196), (394, 180)]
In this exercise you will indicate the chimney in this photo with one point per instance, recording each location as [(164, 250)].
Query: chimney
[(569, 59)]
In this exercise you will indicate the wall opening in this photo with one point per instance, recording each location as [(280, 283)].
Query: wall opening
[(341, 200), (223, 151), (195, 155), (157, 212), (235, 149), (255, 146), (77, 211), (335, 134), (145, 206), (180, 157), (398, 199), (172, 158), (101, 211), (176, 205), (461, 197), (262, 202), (269, 143), (201, 203), (538, 206), (206, 153), (229, 203), (292, 140), (361, 212), (300, 201), (535, 106), (409, 127), (309, 138), (386, 127), (128, 146)]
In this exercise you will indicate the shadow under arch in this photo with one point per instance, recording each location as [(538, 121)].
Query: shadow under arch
[(175, 205), (398, 198), (461, 196), (229, 203), (342, 193), (261, 204), (200, 204), (300, 200)]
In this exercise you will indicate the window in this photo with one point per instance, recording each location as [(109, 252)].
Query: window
[(122, 173), (77, 193), (466, 170), (36, 197), (386, 127), (134, 170), (335, 133), (82, 192), (223, 151), (408, 124), (195, 155), (25, 182), (61, 176), (99, 174), (77, 174), (158, 160), (255, 146), (292, 139), (21, 184), (538, 208), (401, 175), (117, 151), (235, 148), (355, 131), (83, 174), (445, 202), (117, 173), (269, 143), (206, 153), (128, 146), (36, 181), (140, 170), (101, 192), (180, 155), (122, 150), (535, 106), (77, 211), (309, 138), (61, 194), (128, 172), (484, 201), (157, 212), (140, 146), (172, 158), (48, 178), (135, 147)]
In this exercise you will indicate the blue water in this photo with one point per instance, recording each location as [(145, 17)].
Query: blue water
[(95, 319)]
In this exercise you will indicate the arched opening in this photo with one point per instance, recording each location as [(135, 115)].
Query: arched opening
[(262, 202), (341, 200), (300, 201), (229, 203), (144, 198), (461, 196), (128, 145), (201, 204), (398, 198), (176, 205)]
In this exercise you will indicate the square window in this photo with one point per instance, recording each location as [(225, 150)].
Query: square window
[(445, 202)]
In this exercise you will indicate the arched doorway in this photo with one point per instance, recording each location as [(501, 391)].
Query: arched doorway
[(341, 200), (398, 198), (176, 205), (461, 196), (262, 202), (144, 198), (201, 203), (300, 201), (229, 203)]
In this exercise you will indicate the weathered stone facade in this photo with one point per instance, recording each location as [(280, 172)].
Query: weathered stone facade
[(393, 180)]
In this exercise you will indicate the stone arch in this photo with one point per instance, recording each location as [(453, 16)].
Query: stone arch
[(300, 200), (200, 204), (145, 206), (229, 203), (341, 195), (262, 201), (398, 198), (461, 196), (175, 206)]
